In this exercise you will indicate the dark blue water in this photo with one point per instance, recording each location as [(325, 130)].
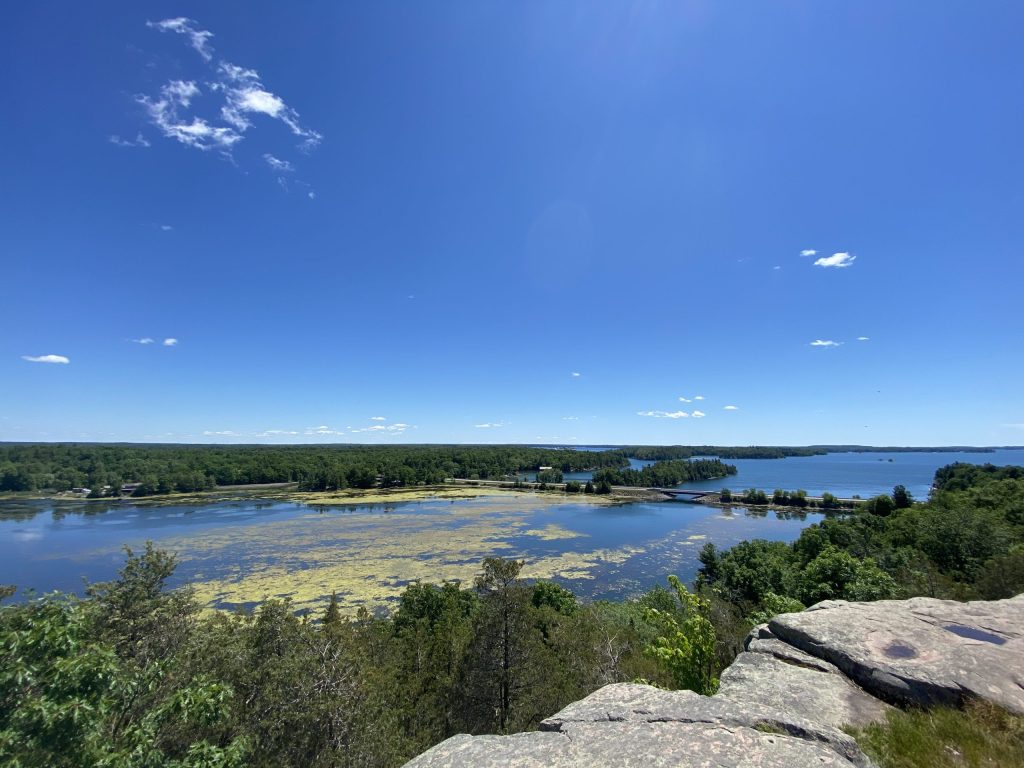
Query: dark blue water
[(842, 474), (852, 474)]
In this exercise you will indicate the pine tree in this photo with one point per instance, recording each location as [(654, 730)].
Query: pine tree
[(332, 616)]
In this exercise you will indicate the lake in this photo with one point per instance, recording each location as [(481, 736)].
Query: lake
[(842, 474), (243, 550)]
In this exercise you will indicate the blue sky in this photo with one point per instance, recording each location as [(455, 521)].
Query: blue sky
[(513, 222)]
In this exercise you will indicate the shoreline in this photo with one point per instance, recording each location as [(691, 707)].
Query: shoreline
[(285, 492)]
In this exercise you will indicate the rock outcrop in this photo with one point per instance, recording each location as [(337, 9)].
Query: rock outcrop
[(783, 700), (918, 652)]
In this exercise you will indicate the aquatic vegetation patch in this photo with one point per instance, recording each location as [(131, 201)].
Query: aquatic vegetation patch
[(369, 556), (553, 532)]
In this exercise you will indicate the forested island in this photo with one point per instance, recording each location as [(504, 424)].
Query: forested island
[(665, 473), (135, 674)]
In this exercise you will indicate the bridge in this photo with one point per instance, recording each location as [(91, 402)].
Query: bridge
[(684, 493)]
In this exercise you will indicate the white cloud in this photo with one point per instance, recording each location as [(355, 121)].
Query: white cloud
[(776, 267), (199, 39), (570, 418), (139, 141), (397, 428), (808, 252), (241, 95), (143, 340), (664, 414), (825, 343), (170, 342), (685, 400), (46, 359), (166, 227), (378, 418), (576, 374), (244, 94), (838, 260), (495, 425), (221, 433), (312, 196), (731, 408), (322, 430), (863, 338), (164, 113), (698, 397), (698, 414), (281, 166)]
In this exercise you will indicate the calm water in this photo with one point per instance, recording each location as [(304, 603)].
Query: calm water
[(852, 474), (598, 550), (842, 474), (240, 552)]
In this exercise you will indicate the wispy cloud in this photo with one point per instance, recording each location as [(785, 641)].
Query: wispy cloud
[(825, 343), (808, 252), (838, 260), (698, 414), (281, 166), (731, 408), (170, 342), (143, 340), (698, 397), (664, 414), (138, 141), (570, 418), (60, 359), (685, 400), (494, 425), (378, 418), (397, 428), (245, 95), (260, 435), (863, 338), (576, 374), (776, 267), (166, 227), (165, 113), (241, 95), (199, 39), (323, 430)]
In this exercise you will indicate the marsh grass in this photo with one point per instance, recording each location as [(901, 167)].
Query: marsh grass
[(978, 736)]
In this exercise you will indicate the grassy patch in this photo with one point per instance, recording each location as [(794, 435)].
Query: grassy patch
[(979, 736)]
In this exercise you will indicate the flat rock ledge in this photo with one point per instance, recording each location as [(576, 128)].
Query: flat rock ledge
[(784, 699)]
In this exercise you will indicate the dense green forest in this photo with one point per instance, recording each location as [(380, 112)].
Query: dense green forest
[(167, 468), (665, 473), (134, 674)]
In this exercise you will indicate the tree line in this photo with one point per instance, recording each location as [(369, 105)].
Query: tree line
[(168, 468), (160, 469), (665, 473)]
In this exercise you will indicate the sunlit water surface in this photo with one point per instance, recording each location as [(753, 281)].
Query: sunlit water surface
[(241, 552)]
